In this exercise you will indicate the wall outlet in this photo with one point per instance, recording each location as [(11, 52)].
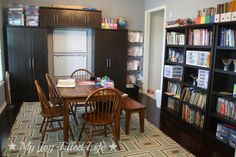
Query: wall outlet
[(171, 15)]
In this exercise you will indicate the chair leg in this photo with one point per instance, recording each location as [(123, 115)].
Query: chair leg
[(40, 131), (44, 132), (115, 137), (73, 114), (81, 131), (105, 130), (89, 141), (72, 135)]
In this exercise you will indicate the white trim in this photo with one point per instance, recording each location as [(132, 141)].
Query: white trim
[(3, 106), (147, 45), (2, 83)]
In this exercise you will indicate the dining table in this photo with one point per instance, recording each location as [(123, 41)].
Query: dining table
[(76, 94)]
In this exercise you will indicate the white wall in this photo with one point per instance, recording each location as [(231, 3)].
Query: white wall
[(182, 8), (132, 10), (2, 92), (156, 50)]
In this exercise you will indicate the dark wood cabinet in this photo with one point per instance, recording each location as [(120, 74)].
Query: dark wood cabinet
[(52, 17), (91, 19), (26, 61), (110, 55), (55, 17)]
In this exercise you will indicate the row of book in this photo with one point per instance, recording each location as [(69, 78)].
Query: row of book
[(198, 58), (174, 89), (23, 15), (200, 37), (206, 12), (226, 107), (226, 134), (226, 7), (192, 116), (175, 38), (175, 56), (194, 97), (173, 104), (227, 37)]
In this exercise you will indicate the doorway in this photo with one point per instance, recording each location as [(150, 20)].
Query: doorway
[(154, 51)]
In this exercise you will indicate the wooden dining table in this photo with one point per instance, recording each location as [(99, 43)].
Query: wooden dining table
[(79, 93)]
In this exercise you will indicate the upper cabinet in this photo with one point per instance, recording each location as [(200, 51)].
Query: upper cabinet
[(53, 17)]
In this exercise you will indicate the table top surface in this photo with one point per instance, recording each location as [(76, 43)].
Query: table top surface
[(79, 91)]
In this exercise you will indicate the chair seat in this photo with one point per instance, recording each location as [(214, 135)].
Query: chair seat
[(56, 111), (102, 120)]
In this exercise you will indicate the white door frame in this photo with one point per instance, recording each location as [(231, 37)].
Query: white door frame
[(147, 45)]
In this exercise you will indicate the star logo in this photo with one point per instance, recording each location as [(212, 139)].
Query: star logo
[(12, 146), (113, 146)]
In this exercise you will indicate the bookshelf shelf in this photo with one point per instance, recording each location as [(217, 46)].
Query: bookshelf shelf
[(195, 87), (225, 48), (196, 67), (172, 96), (193, 126), (134, 72), (224, 119), (199, 47), (175, 46), (173, 63), (225, 72), (195, 107), (225, 96)]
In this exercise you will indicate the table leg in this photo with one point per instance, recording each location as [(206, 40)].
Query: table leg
[(117, 124), (141, 120), (66, 120)]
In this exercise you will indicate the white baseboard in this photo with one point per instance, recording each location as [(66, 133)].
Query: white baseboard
[(2, 107)]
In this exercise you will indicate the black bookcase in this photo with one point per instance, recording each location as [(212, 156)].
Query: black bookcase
[(220, 82), (177, 54), (223, 78)]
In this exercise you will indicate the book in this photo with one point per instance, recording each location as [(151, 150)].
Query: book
[(66, 83)]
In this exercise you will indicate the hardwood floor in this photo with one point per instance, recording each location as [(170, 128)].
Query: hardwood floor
[(199, 143)]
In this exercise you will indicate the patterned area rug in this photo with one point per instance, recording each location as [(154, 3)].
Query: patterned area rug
[(24, 140)]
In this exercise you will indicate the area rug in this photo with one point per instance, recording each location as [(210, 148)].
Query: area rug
[(24, 140)]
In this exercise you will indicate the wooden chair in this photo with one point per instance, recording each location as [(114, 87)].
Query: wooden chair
[(81, 74), (101, 109), (49, 113), (55, 99)]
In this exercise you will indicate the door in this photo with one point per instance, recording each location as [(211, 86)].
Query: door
[(38, 38), (101, 53), (78, 18), (117, 58), (19, 63), (93, 19), (47, 17)]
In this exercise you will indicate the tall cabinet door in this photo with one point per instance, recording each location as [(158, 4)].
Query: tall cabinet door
[(38, 38), (101, 53), (117, 57), (19, 63)]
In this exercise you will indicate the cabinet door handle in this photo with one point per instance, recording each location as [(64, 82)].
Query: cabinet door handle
[(88, 19), (29, 63), (33, 63), (54, 17), (109, 62)]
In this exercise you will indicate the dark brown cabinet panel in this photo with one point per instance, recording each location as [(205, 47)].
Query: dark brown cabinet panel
[(110, 55), (79, 18), (27, 61), (53, 17), (94, 19)]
